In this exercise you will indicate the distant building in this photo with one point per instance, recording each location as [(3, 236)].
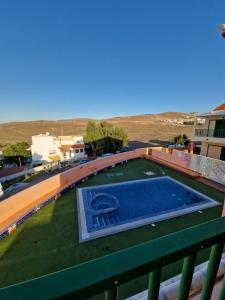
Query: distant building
[(209, 129), (48, 148), (181, 121)]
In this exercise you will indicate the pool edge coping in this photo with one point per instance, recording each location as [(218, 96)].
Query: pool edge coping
[(85, 236)]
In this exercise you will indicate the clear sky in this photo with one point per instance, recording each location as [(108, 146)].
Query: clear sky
[(68, 59)]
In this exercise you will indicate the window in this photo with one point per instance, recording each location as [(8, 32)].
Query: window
[(222, 155), (77, 151), (81, 150), (220, 128)]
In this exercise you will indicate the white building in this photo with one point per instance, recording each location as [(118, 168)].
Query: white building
[(48, 148)]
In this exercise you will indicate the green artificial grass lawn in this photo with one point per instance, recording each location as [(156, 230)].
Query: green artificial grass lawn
[(48, 241)]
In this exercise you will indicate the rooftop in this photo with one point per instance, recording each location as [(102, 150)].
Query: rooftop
[(220, 107), (62, 137), (49, 240)]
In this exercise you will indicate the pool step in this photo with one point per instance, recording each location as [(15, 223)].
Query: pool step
[(105, 220)]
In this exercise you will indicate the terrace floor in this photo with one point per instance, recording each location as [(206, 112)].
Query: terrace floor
[(48, 241)]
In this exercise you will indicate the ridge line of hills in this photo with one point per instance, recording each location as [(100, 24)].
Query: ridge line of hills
[(142, 128)]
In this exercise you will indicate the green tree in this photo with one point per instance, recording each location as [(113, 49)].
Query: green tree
[(92, 136), (105, 136), (16, 152), (181, 139)]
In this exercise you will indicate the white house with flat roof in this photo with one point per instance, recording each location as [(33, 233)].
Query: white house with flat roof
[(48, 148), (211, 132)]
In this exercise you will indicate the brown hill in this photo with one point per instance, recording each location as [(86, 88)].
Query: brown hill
[(141, 128)]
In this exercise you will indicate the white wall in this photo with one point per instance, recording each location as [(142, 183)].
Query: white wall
[(71, 140), (79, 155), (46, 145), (42, 146)]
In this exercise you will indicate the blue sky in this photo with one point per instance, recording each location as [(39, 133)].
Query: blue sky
[(68, 59)]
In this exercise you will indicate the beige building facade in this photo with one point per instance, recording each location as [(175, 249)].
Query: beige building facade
[(211, 132)]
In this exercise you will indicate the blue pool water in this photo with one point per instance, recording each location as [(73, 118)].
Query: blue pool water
[(111, 206)]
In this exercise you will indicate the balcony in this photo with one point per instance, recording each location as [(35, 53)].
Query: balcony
[(215, 133), (106, 274)]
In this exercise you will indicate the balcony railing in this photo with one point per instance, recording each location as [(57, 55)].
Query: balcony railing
[(218, 133), (106, 274)]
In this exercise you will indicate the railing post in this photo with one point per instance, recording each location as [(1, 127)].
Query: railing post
[(222, 290), (154, 284), (112, 294), (187, 274), (213, 265)]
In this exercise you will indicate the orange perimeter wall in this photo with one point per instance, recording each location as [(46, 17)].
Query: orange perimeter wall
[(15, 207)]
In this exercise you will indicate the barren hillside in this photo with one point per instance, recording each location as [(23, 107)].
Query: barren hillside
[(142, 128)]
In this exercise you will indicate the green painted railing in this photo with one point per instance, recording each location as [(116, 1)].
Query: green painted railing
[(107, 273)]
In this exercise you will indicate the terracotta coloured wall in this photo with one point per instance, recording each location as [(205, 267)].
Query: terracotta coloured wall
[(77, 173), (18, 205), (172, 155), (21, 203)]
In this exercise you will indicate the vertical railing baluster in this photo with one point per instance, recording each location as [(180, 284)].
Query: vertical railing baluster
[(186, 279), (213, 265), (112, 294), (222, 290), (154, 284)]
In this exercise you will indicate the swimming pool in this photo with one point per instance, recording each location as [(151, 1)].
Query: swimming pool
[(110, 208)]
